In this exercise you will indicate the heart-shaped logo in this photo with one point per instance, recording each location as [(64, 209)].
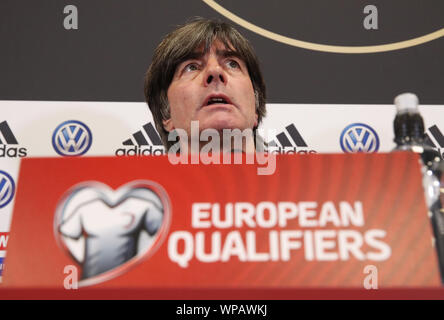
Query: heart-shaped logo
[(107, 231)]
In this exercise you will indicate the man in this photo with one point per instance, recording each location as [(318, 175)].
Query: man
[(204, 71)]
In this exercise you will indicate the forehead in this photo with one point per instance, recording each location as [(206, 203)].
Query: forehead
[(216, 44), (217, 47)]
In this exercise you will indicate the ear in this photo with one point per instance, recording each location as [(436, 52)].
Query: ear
[(168, 125), (255, 119), (256, 106)]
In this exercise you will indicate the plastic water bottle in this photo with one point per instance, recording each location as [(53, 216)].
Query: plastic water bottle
[(410, 136)]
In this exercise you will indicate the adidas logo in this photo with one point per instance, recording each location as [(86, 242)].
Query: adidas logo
[(437, 135), (289, 141), (7, 138), (138, 144)]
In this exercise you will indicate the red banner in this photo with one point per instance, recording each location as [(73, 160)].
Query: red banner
[(320, 221)]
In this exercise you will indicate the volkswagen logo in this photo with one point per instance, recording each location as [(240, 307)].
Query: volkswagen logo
[(7, 188), (71, 138), (359, 137)]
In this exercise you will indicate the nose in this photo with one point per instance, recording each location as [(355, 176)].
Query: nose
[(214, 73)]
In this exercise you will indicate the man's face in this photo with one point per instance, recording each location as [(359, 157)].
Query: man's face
[(214, 89)]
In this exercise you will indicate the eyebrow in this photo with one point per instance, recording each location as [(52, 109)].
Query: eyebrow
[(228, 54)]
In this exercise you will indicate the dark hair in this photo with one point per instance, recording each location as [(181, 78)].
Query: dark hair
[(177, 46)]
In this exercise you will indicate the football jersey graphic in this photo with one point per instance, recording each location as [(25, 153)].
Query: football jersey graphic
[(103, 229)]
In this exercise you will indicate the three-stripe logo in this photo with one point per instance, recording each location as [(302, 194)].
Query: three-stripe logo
[(7, 188), (289, 141), (143, 142), (140, 138), (9, 144), (6, 132)]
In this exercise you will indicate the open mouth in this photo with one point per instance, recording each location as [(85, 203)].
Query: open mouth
[(216, 100)]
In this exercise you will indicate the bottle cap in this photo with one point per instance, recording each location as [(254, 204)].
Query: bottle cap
[(407, 102)]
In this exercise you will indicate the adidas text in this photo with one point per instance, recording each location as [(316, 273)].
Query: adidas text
[(140, 151), (290, 150), (12, 152)]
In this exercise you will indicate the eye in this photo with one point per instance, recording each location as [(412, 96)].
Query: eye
[(191, 67), (233, 64)]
